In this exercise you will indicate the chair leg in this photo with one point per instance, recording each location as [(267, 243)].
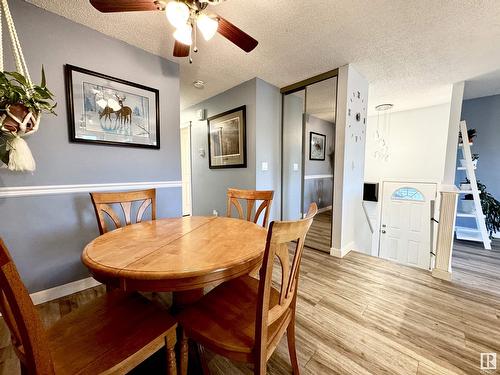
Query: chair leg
[(290, 332), (260, 368), (183, 353), (24, 369), (203, 359), (170, 341)]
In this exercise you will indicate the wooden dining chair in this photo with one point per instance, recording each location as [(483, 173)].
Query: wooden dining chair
[(250, 196), (102, 205), (112, 334), (244, 319)]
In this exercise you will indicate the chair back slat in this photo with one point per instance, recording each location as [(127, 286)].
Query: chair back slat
[(280, 236), (28, 335), (250, 196), (102, 205)]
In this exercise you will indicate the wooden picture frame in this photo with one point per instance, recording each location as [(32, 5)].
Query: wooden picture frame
[(317, 146), (227, 139), (110, 111)]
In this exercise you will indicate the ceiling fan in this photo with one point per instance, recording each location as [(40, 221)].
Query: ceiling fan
[(186, 16)]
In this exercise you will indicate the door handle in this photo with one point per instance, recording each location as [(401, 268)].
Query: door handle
[(383, 232)]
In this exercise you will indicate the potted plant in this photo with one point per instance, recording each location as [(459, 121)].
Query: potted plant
[(471, 134), (491, 209), (475, 158), (21, 105)]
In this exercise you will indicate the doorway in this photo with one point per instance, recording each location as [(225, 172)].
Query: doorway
[(406, 225), (308, 134)]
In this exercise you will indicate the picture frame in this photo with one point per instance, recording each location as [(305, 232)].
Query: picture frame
[(227, 139), (105, 110), (317, 144)]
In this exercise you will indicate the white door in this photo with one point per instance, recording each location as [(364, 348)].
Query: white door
[(405, 230)]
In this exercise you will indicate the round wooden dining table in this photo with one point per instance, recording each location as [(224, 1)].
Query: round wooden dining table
[(179, 255)]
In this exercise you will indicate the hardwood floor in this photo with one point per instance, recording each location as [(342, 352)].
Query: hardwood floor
[(320, 232), (365, 315)]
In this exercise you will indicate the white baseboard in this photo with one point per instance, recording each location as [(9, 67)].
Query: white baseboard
[(339, 253), (63, 290), (324, 209)]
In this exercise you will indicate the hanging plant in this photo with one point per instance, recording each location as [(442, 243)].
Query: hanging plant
[(20, 110), (21, 104)]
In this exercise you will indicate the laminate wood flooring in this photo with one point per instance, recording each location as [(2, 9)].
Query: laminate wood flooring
[(365, 315)]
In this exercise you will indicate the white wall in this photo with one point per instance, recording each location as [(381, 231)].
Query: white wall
[(417, 143), (350, 137), (418, 149)]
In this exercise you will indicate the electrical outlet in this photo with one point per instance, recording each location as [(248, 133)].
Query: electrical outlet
[(215, 213), (265, 166)]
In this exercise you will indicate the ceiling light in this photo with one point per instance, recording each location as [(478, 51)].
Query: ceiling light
[(183, 34), (177, 13), (208, 26), (384, 107), (199, 84)]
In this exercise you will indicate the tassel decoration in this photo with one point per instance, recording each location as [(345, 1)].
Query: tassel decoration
[(20, 156)]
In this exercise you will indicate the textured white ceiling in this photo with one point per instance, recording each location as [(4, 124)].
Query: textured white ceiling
[(410, 51)]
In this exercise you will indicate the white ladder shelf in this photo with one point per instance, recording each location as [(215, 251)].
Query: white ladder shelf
[(480, 232)]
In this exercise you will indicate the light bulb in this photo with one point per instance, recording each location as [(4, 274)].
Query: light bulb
[(177, 13), (208, 26), (183, 34)]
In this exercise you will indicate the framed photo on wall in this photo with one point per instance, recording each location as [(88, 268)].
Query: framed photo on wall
[(111, 111), (227, 139), (317, 144)]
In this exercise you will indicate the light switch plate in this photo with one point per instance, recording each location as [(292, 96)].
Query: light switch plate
[(265, 166), (295, 166)]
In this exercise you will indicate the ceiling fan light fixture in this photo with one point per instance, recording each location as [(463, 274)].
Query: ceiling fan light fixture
[(177, 13), (183, 34), (208, 26)]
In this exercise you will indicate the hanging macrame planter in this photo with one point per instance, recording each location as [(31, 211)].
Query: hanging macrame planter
[(21, 103)]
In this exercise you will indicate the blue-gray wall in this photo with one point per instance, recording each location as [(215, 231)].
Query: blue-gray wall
[(46, 234), (483, 114), (263, 121), (268, 143), (319, 190), (209, 186)]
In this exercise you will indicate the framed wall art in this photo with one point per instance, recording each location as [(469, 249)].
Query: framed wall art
[(227, 139), (111, 111), (317, 144)]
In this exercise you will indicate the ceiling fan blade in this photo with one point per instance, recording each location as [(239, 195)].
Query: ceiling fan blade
[(108, 6), (181, 50), (235, 35)]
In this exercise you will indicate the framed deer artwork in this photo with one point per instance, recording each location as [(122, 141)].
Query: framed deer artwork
[(111, 111)]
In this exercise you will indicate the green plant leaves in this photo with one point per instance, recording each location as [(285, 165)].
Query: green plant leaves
[(14, 88)]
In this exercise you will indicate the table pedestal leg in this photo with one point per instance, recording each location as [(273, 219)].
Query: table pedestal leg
[(197, 363), (185, 298)]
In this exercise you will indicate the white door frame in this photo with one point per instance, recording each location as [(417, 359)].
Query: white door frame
[(187, 199), (381, 204)]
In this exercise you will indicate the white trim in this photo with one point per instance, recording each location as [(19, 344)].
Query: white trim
[(340, 253), (63, 290), (24, 191), (317, 176), (324, 209)]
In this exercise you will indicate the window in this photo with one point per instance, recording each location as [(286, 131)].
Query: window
[(408, 194)]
